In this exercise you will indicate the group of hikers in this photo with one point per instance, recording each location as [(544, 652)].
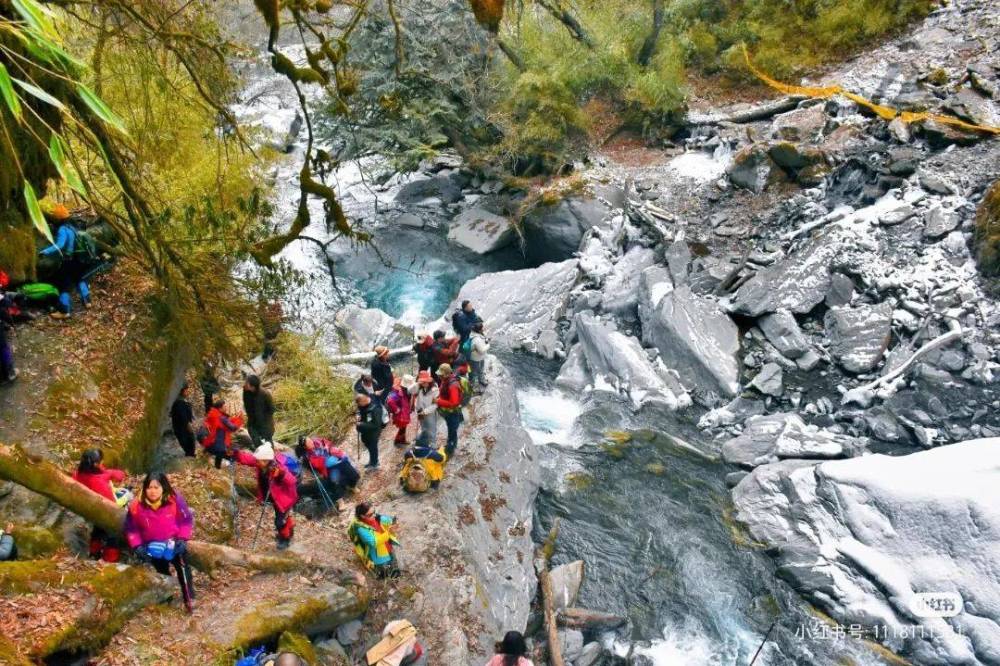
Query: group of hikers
[(78, 260)]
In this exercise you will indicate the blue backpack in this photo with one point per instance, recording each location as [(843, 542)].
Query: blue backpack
[(290, 463)]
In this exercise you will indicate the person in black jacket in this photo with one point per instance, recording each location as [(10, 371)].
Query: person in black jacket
[(464, 319), (259, 408), (182, 421), (382, 372), (369, 426)]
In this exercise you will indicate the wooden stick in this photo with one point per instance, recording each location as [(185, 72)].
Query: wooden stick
[(542, 557)]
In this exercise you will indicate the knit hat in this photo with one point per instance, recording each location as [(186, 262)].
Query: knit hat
[(424, 376), (264, 452), (444, 370)]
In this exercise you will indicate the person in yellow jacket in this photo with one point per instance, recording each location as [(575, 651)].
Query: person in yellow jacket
[(432, 461), (374, 541)]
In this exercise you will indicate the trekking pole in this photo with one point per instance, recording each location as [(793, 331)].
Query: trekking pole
[(322, 491), (260, 520), (766, 636)]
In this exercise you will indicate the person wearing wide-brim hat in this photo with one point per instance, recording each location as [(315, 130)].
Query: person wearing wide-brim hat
[(449, 404), (381, 372)]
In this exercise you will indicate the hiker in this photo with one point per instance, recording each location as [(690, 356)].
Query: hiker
[(399, 405), (272, 317), (423, 468), (258, 405), (449, 405), (382, 372), (369, 426), (373, 540), (8, 309), (219, 429), (275, 483), (425, 395), (8, 547), (511, 651), (368, 386), (92, 473), (332, 465), (424, 349), (464, 319), (480, 348), (182, 421), (399, 645), (158, 525), (208, 383), (445, 350), (75, 263)]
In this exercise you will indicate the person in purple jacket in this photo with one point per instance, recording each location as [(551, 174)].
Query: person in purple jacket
[(158, 525)]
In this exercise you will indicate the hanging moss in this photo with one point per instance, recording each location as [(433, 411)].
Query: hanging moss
[(299, 644)]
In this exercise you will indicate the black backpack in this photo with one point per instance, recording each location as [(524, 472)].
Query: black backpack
[(85, 248), (455, 319)]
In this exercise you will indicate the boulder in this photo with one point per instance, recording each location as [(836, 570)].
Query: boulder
[(592, 654), (777, 436), (798, 283), (619, 361), (973, 108), (860, 538), (841, 290), (517, 306), (794, 157), (859, 335), (571, 641), (782, 330), (753, 169), (481, 231), (654, 283), (574, 374), (737, 411), (621, 288), (361, 329), (698, 340), (800, 125), (436, 187), (678, 257), (769, 380), (940, 222), (566, 581), (411, 220), (553, 233), (935, 184)]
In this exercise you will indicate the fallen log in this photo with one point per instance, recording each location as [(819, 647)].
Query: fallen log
[(41, 476), (367, 357), (588, 620), (759, 112), (542, 556)]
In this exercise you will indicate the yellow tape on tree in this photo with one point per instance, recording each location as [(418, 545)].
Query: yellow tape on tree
[(886, 112)]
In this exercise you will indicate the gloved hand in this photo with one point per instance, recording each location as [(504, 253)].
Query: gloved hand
[(142, 553), (180, 546)]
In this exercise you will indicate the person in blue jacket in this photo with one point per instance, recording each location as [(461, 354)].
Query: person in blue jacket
[(72, 269)]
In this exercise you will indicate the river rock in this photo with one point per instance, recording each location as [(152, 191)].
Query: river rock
[(859, 335), (769, 380), (777, 436), (791, 156), (940, 222), (782, 330), (571, 641), (481, 231), (800, 125), (574, 374), (350, 633), (437, 187), (592, 654), (973, 108), (737, 411), (619, 361), (654, 283), (621, 288), (411, 220), (361, 329), (566, 581), (698, 340), (554, 233), (798, 283), (678, 257), (517, 306), (841, 290), (861, 537), (753, 169)]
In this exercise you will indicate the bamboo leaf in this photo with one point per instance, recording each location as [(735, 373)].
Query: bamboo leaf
[(47, 50), (7, 91), (35, 91), (35, 212), (57, 153), (99, 108), (35, 15)]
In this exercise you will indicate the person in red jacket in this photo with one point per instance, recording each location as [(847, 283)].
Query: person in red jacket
[(158, 525), (449, 405), (220, 427), (92, 473), (275, 484)]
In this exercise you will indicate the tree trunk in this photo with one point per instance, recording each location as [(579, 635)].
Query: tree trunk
[(41, 476), (562, 15), (649, 46)]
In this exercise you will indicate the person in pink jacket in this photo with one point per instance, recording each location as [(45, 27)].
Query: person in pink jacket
[(511, 651), (275, 484), (158, 525)]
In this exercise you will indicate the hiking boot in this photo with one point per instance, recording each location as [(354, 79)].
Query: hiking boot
[(283, 544), (339, 506), (59, 315)]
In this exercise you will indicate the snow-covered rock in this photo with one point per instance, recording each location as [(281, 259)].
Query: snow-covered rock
[(517, 306), (859, 335), (621, 288), (654, 283), (777, 436), (574, 374), (620, 361), (782, 331), (769, 380), (698, 340), (861, 537), (361, 329), (481, 231)]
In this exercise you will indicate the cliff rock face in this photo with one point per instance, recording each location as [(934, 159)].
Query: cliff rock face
[(475, 569)]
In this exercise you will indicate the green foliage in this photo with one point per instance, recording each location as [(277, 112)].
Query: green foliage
[(542, 119)]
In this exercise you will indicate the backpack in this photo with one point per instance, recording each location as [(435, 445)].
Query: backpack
[(38, 291), (465, 386), (414, 477), (292, 464), (85, 248), (456, 319), (465, 349)]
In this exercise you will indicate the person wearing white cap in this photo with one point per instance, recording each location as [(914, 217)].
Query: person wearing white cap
[(276, 484)]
